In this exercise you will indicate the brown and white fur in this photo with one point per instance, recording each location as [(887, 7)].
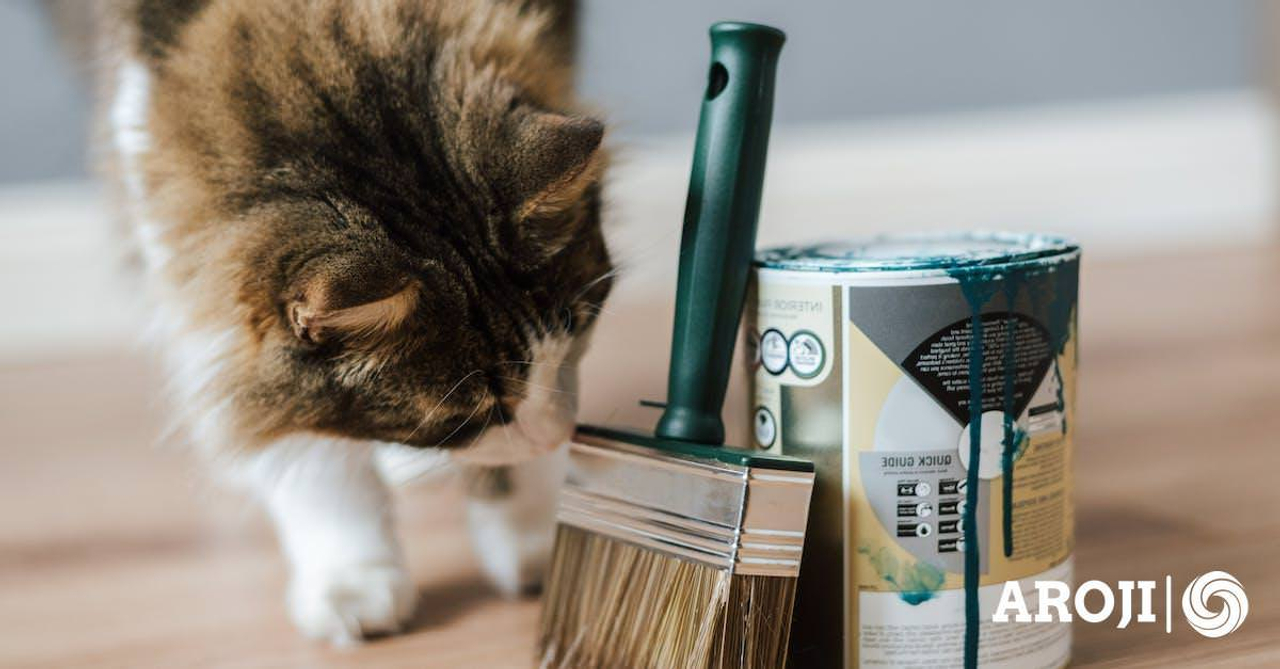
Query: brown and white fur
[(368, 228)]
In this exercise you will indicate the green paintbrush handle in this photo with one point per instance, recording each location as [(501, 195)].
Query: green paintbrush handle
[(719, 227)]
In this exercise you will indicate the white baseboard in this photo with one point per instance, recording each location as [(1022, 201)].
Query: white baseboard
[(62, 283), (1126, 177)]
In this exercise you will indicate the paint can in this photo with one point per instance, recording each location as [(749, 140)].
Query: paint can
[(931, 378)]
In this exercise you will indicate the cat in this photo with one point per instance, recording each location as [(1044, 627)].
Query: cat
[(364, 224)]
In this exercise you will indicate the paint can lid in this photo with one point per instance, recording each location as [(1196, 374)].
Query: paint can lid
[(924, 253)]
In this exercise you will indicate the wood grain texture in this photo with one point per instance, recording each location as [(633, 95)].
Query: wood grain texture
[(116, 552)]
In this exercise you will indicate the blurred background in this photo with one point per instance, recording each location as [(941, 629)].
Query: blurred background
[(1144, 128), (1131, 125), (845, 61)]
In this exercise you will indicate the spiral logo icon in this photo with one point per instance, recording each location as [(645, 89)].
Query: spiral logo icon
[(1208, 621)]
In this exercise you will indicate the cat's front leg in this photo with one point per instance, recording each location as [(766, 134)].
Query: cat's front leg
[(511, 516), (332, 513)]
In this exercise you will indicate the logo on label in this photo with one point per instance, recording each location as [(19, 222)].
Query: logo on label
[(1054, 603), (773, 351), (806, 354), (1196, 605)]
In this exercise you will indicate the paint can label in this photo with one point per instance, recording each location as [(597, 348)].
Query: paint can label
[(938, 409)]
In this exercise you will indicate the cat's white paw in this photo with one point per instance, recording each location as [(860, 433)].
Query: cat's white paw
[(345, 604), (513, 555), (511, 514)]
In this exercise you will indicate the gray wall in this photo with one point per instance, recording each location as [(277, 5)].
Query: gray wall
[(643, 61), (853, 59), (43, 103)]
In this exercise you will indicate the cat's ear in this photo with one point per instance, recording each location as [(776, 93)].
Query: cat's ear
[(555, 158), (353, 307)]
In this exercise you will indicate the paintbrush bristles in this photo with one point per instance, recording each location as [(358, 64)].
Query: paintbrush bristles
[(756, 625), (610, 604)]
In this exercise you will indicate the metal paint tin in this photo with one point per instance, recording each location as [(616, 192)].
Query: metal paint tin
[(931, 378)]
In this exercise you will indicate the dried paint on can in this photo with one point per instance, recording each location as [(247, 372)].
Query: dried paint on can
[(931, 379)]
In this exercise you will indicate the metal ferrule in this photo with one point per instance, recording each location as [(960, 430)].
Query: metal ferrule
[(748, 520)]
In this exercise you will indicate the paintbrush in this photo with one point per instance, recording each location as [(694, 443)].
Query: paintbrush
[(673, 550)]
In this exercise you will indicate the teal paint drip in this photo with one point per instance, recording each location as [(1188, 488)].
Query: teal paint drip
[(916, 582), (978, 287), (1009, 442), (972, 541), (978, 284), (1062, 403), (1064, 282)]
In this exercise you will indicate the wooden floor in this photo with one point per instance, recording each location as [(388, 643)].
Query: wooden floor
[(116, 553)]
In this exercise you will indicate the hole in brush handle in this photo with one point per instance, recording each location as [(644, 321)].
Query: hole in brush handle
[(717, 80)]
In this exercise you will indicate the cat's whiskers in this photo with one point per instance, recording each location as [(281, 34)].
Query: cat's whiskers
[(558, 365), (443, 399), (536, 385), (617, 269), (488, 419), (507, 433), (634, 255), (468, 420), (598, 309)]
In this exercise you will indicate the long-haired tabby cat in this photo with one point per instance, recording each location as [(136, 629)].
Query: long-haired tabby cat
[(364, 223)]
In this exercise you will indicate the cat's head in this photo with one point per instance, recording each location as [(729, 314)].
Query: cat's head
[(396, 211)]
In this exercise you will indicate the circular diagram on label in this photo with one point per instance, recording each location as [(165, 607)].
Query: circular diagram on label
[(924, 530), (806, 354), (924, 510), (765, 427), (911, 420), (773, 351)]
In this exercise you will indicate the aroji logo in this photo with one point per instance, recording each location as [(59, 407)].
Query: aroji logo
[(1203, 614), (1215, 585)]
